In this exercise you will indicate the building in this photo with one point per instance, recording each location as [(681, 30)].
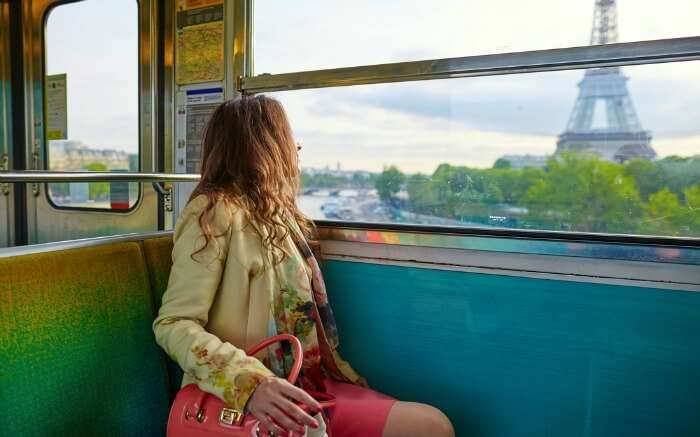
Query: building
[(73, 155), (522, 161)]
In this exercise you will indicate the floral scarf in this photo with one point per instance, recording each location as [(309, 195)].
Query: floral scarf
[(307, 314)]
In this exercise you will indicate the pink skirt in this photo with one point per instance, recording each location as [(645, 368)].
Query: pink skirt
[(358, 411)]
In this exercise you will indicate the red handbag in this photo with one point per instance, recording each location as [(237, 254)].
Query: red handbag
[(195, 413)]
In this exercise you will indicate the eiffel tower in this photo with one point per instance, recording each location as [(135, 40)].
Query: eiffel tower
[(603, 120)]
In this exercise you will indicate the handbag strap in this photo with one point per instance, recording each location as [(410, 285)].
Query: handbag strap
[(297, 351)]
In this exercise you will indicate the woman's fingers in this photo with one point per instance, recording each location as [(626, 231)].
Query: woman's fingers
[(299, 415), (273, 404), (301, 396), (284, 420), (268, 423)]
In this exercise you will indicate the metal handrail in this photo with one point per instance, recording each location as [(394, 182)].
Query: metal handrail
[(52, 176), (608, 55)]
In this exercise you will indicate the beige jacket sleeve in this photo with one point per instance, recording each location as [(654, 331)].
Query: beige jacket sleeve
[(218, 367)]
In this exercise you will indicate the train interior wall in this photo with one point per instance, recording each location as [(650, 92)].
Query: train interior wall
[(518, 356)]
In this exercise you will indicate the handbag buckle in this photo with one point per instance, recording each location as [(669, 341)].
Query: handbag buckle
[(199, 416), (229, 416)]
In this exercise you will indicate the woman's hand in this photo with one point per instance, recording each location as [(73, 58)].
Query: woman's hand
[(271, 405)]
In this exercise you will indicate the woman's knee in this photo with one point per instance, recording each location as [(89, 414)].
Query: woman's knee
[(408, 419), (439, 424)]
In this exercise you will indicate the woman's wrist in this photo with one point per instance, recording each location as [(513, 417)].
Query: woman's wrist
[(252, 394)]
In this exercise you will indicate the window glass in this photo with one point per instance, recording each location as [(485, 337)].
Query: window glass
[(602, 150), (91, 100), (318, 34)]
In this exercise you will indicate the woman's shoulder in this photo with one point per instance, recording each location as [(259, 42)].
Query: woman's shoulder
[(223, 214)]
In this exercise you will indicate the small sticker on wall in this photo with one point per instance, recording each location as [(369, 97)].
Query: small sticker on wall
[(55, 91), (205, 95)]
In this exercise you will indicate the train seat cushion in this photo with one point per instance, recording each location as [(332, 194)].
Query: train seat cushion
[(78, 354), (159, 257)]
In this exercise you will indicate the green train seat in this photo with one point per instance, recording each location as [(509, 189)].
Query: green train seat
[(79, 357)]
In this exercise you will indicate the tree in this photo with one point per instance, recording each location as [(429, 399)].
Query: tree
[(582, 193), (98, 189), (502, 163), (389, 183), (680, 172), (422, 194), (513, 184), (692, 204), (663, 213), (648, 176)]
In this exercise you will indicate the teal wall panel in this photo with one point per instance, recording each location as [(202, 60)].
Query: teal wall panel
[(514, 356)]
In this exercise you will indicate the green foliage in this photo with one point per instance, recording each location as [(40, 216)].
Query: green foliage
[(460, 192), (573, 192), (98, 189), (326, 180), (585, 194), (666, 214), (514, 184), (423, 194), (502, 163), (680, 173), (648, 176), (389, 182), (323, 180), (692, 205)]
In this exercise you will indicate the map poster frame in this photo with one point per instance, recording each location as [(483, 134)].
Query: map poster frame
[(199, 46)]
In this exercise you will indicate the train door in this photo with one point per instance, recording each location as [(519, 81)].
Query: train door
[(5, 139), (90, 83)]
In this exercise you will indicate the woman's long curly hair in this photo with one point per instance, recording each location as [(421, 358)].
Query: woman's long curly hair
[(250, 160)]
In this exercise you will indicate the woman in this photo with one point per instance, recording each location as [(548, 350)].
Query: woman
[(242, 272)]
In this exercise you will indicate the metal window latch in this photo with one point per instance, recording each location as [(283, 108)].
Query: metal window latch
[(166, 190), (36, 188), (5, 166)]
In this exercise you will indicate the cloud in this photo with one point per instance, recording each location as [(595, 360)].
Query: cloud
[(373, 137), (522, 104)]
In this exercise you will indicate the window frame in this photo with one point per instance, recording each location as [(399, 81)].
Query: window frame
[(140, 119)]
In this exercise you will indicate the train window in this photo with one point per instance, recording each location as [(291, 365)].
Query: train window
[(370, 32), (612, 150), (92, 100)]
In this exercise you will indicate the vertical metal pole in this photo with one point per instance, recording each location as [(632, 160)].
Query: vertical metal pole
[(242, 43)]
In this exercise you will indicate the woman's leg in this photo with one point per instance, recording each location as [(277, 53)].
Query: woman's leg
[(410, 419)]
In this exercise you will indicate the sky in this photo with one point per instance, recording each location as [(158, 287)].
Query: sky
[(95, 43), (415, 125)]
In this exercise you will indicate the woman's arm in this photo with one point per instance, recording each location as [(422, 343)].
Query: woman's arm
[(218, 367)]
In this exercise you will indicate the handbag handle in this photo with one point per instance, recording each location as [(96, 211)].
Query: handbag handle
[(293, 374), (296, 348)]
